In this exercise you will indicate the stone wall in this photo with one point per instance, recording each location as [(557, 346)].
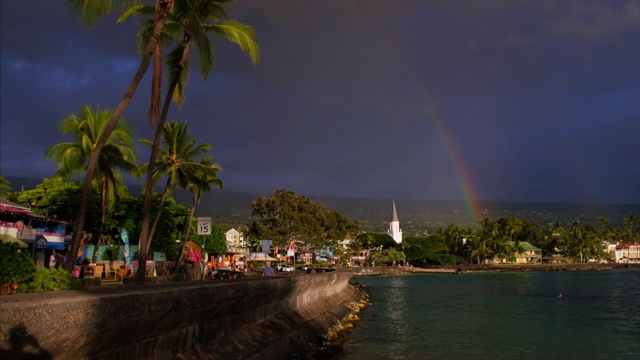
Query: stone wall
[(241, 318)]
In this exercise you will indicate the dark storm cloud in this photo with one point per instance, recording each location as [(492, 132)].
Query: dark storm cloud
[(502, 100)]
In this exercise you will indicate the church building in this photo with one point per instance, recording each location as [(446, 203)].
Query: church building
[(394, 226)]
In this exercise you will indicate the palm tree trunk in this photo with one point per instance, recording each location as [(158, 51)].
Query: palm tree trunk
[(122, 106), (186, 237), (102, 220), (145, 240), (158, 213)]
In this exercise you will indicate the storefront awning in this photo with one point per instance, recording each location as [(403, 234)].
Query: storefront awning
[(6, 238), (260, 257), (43, 244)]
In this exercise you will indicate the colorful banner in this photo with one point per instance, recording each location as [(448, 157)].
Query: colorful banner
[(125, 238)]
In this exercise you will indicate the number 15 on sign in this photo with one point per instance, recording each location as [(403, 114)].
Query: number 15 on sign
[(204, 226)]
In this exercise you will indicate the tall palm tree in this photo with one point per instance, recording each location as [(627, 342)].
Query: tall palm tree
[(118, 154), (90, 12), (190, 23), (178, 162)]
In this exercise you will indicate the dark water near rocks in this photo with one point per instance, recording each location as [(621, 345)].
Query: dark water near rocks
[(499, 316)]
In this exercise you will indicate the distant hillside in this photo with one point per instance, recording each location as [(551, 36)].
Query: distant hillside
[(416, 216)]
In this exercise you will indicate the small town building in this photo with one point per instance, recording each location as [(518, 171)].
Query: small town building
[(529, 254)]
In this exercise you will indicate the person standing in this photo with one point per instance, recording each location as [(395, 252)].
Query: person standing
[(268, 270), (52, 260)]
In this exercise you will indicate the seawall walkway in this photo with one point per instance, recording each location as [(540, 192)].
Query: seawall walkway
[(254, 317)]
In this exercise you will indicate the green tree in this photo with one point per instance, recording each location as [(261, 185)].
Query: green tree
[(286, 217), (575, 241), (58, 199), (535, 235), (215, 243), (199, 182), (426, 250), (5, 185), (453, 235), (177, 161), (557, 234), (396, 256), (630, 234), (373, 240), (90, 12), (486, 243), (202, 181), (118, 155), (252, 235)]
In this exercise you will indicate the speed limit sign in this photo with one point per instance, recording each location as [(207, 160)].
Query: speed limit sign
[(204, 226)]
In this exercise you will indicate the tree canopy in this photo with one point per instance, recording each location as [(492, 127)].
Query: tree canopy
[(285, 217)]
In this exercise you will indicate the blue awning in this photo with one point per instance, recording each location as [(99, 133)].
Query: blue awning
[(43, 244)]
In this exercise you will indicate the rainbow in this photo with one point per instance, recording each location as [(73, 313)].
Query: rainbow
[(431, 112)]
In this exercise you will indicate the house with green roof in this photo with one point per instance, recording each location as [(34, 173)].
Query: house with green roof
[(529, 255)]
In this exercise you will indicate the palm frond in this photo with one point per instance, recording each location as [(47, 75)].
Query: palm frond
[(241, 34)]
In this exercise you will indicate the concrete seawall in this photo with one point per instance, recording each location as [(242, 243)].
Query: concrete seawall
[(241, 318)]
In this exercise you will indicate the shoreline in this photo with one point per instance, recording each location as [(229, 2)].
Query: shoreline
[(472, 269)]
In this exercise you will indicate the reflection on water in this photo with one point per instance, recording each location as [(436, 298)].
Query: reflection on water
[(396, 313), (500, 316)]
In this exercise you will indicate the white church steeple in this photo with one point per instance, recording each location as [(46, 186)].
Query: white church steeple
[(394, 226)]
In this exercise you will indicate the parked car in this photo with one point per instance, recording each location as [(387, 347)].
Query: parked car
[(322, 259), (228, 274), (287, 268)]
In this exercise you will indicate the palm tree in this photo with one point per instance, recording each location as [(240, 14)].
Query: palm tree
[(557, 235), (487, 242), (511, 227), (576, 240), (177, 161), (189, 24), (628, 225), (87, 127), (453, 236), (200, 181), (90, 12)]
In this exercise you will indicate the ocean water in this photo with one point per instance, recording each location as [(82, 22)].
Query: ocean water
[(499, 316)]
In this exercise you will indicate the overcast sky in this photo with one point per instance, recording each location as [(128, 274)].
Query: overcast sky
[(470, 100)]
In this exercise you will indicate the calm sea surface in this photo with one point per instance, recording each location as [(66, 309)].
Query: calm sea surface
[(499, 316)]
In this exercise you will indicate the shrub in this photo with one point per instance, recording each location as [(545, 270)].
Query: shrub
[(17, 268), (52, 280)]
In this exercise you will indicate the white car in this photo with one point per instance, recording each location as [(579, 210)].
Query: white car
[(287, 268), (322, 259)]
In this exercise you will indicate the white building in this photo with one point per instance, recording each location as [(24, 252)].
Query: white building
[(394, 226), (234, 238)]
